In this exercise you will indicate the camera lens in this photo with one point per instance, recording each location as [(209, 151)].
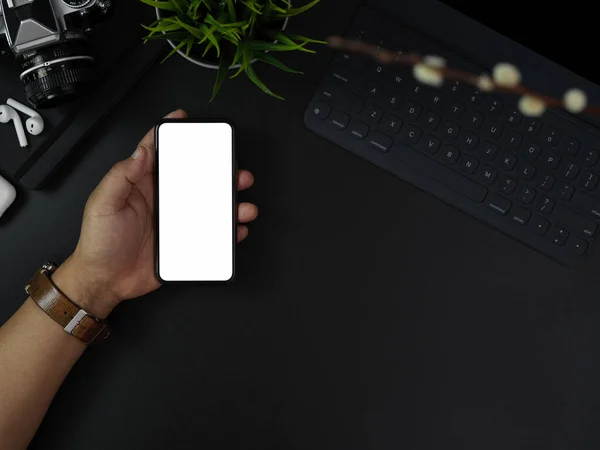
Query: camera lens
[(58, 74)]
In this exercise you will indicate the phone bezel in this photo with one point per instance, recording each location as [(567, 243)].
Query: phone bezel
[(157, 202)]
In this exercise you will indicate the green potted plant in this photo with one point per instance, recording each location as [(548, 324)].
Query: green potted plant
[(229, 34)]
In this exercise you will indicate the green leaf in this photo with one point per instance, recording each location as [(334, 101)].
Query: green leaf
[(299, 37), (224, 64), (284, 39), (274, 61), (295, 11), (231, 10), (252, 6), (252, 75), (180, 5), (167, 6), (172, 52), (246, 61), (273, 46)]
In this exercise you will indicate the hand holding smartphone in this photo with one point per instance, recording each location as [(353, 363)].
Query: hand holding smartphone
[(195, 204)]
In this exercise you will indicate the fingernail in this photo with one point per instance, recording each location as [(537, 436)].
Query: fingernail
[(171, 114), (137, 153)]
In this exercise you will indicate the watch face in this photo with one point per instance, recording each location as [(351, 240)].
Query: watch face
[(77, 3)]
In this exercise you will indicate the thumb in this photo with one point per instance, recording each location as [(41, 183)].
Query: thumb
[(113, 191)]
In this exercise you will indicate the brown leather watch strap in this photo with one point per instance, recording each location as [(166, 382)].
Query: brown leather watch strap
[(59, 307)]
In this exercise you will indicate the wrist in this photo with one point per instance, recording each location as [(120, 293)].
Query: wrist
[(83, 290)]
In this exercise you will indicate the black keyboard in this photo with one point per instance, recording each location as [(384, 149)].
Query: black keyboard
[(536, 180)]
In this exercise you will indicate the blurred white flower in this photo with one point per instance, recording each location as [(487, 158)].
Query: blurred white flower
[(532, 106), (434, 61), (485, 83), (428, 75), (506, 75), (575, 101)]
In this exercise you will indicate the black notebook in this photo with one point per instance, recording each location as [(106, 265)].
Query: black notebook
[(122, 59)]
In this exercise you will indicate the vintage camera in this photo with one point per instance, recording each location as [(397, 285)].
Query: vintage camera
[(50, 38)]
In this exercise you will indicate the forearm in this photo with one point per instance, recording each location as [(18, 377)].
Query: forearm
[(36, 355)]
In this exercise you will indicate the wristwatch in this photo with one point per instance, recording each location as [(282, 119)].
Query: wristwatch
[(75, 321)]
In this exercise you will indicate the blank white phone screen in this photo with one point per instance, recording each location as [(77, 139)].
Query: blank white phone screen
[(195, 201)]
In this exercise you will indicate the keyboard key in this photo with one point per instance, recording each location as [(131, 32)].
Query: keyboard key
[(472, 120), (429, 144), (449, 154), (435, 170), (467, 141), (558, 235), (549, 137), (339, 120), (545, 181), (539, 226), (498, 204), (587, 204), (508, 162), (391, 124), (532, 126), (410, 134), (520, 215), (589, 157), (453, 87), (434, 100), (574, 221), (348, 78), (568, 171), (390, 100), (322, 110), (577, 245), (488, 175), (342, 99), (373, 90), (531, 151), (525, 171), (589, 180), (468, 164), (550, 160), (510, 140), (492, 130), (380, 141), (492, 106), (569, 146), (526, 195), (431, 121), (565, 191), (454, 109), (487, 150), (450, 130), (512, 117), (418, 92), (474, 96), (373, 114), (358, 130), (507, 185), (397, 79), (411, 110), (545, 205)]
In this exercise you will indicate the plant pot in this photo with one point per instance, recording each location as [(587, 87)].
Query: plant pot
[(202, 62)]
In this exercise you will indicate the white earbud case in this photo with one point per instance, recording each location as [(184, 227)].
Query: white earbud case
[(7, 195)]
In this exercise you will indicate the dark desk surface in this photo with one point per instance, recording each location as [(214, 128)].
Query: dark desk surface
[(367, 314)]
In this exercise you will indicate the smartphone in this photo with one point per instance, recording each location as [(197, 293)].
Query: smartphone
[(195, 205)]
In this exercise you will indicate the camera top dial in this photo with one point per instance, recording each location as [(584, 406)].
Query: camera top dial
[(77, 3)]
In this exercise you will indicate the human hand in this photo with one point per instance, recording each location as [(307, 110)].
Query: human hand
[(114, 259)]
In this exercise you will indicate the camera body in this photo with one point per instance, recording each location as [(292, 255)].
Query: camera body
[(49, 38)]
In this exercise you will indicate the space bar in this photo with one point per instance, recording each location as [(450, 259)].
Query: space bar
[(438, 172)]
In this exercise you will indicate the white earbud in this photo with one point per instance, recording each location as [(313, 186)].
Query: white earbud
[(35, 123), (6, 115)]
